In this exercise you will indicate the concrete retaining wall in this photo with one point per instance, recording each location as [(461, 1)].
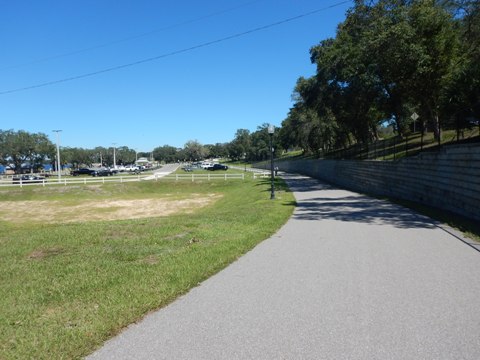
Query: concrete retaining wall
[(448, 179)]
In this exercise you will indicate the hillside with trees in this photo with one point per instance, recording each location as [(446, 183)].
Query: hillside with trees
[(388, 60)]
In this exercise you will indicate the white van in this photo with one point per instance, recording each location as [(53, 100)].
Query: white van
[(205, 165)]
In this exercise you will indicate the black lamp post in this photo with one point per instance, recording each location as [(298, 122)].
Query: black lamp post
[(271, 130)]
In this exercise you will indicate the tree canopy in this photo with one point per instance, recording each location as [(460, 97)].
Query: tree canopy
[(389, 58), (19, 148)]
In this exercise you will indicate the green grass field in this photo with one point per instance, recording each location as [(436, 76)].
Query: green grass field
[(69, 283)]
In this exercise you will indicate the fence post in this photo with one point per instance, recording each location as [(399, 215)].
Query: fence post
[(225, 177), (176, 177), (193, 177)]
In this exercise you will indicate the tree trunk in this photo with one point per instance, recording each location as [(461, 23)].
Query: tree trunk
[(436, 128)]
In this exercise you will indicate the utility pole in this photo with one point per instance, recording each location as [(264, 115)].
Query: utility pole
[(59, 167), (114, 158)]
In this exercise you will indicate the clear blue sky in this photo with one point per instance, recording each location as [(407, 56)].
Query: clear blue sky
[(205, 94)]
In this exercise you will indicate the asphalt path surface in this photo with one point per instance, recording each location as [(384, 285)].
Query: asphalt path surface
[(347, 277), (165, 170)]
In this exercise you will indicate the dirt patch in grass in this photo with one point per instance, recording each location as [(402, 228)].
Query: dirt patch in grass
[(101, 210), (151, 260), (43, 253)]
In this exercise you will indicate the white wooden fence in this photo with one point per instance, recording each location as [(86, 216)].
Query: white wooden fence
[(261, 175), (117, 179), (257, 173), (193, 176)]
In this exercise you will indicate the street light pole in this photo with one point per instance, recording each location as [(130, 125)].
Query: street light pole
[(58, 154), (271, 130)]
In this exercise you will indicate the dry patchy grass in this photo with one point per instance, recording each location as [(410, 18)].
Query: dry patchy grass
[(55, 211)]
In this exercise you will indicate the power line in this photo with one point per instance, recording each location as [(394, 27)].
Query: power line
[(177, 52), (138, 36)]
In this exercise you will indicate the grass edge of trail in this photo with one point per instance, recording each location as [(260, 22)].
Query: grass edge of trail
[(72, 287)]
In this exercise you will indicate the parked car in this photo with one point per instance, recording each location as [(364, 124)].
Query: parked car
[(206, 165), (192, 167), (101, 172), (28, 179), (132, 168), (82, 171), (218, 167)]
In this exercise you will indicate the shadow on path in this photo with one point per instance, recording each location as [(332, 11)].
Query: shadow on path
[(360, 209), (341, 205)]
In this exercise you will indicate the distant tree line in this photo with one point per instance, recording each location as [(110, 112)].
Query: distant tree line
[(246, 146), (33, 150), (20, 148)]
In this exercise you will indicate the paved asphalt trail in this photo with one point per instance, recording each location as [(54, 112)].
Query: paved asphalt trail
[(164, 171), (348, 277)]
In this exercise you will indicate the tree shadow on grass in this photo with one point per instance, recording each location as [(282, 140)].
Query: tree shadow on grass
[(279, 185)]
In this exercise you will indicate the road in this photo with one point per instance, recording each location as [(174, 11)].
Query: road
[(347, 277), (165, 170)]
